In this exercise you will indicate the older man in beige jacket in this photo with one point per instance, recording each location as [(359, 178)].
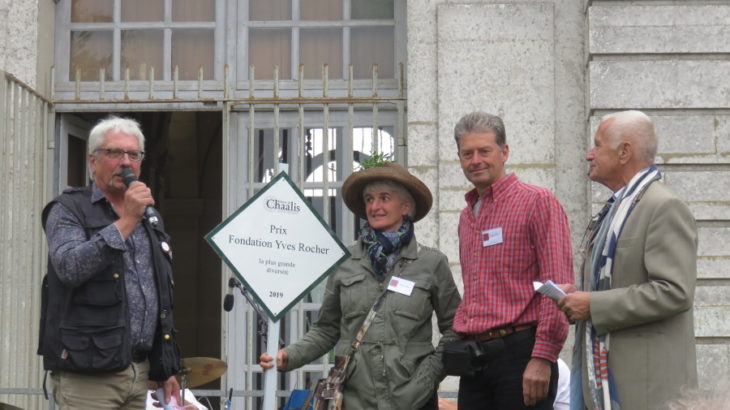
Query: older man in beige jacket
[(635, 344)]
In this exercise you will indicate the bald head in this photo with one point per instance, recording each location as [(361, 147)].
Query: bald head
[(635, 127)]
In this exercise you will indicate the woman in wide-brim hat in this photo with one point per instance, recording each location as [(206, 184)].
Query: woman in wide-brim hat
[(396, 366)]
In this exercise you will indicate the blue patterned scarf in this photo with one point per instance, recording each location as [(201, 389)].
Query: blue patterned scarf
[(603, 235), (381, 246)]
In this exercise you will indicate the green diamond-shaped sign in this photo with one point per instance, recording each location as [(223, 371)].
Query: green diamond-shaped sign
[(278, 246)]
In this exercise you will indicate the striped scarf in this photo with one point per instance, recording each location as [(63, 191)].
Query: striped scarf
[(604, 237), (382, 247)]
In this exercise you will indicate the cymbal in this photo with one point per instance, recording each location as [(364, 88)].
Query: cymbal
[(197, 371), (201, 370)]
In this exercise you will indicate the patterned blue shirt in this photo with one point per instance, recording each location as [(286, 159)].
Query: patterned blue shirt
[(77, 259)]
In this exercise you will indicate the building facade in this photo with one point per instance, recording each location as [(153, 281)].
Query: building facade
[(230, 93)]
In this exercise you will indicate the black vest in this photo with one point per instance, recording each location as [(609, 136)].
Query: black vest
[(86, 328)]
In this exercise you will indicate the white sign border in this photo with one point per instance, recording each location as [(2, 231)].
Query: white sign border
[(219, 252)]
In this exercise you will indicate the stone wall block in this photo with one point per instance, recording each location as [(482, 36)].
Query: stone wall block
[(713, 267), (711, 321), (448, 150), (700, 185), (423, 144), (420, 16), (451, 176), (422, 84), (722, 134), (471, 21), (712, 307), (3, 34), (452, 200), (706, 296), (706, 192), (662, 28), (448, 235), (713, 363), (712, 211), (713, 241), (20, 31), (427, 228), (508, 41), (685, 134), (651, 83)]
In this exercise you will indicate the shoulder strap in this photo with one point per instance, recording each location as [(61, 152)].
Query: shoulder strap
[(366, 324)]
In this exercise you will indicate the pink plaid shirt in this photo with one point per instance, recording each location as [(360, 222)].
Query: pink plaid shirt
[(498, 273)]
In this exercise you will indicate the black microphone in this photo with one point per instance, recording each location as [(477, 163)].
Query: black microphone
[(129, 178), (228, 300)]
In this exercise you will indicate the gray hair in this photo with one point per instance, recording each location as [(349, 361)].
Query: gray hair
[(636, 126), (389, 185), (97, 136), (481, 122)]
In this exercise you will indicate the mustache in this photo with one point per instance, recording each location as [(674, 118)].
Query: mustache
[(119, 172)]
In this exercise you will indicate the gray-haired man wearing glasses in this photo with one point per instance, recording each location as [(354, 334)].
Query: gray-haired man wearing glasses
[(106, 322)]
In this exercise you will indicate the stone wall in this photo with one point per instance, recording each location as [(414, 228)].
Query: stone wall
[(19, 39)]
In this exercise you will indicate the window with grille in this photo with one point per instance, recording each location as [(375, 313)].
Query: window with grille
[(287, 33), (152, 39), (170, 40)]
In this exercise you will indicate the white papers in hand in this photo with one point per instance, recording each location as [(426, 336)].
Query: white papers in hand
[(548, 289)]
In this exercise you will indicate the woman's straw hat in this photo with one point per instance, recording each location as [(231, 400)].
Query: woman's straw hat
[(356, 182)]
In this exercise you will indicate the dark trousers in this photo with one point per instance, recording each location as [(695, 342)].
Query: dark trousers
[(499, 385)]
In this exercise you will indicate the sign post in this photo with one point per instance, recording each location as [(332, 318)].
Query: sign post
[(272, 345), (280, 248)]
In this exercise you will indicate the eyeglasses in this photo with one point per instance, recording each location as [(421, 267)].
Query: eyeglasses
[(117, 153)]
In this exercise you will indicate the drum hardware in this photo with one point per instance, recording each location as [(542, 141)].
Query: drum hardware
[(197, 371)]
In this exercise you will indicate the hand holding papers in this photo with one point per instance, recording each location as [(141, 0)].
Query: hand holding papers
[(549, 289)]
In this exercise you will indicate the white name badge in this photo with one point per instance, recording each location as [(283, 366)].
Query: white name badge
[(400, 285), (491, 237)]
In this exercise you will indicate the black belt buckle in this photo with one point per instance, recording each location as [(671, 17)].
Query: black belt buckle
[(139, 356)]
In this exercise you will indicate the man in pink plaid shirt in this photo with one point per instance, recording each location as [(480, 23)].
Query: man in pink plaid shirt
[(510, 234)]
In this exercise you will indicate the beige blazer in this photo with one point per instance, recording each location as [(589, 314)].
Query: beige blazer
[(649, 311)]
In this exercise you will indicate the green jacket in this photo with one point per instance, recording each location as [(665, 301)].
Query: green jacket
[(397, 366)]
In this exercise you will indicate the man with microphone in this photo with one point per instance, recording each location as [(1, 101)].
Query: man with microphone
[(106, 317)]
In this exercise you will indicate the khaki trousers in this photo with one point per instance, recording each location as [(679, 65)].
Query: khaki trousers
[(126, 389)]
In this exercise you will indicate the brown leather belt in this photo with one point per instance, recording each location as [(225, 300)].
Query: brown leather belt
[(497, 333)]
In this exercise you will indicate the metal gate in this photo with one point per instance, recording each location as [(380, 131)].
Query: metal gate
[(26, 147), (318, 140)]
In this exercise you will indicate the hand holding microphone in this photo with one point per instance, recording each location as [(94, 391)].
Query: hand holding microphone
[(129, 178)]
